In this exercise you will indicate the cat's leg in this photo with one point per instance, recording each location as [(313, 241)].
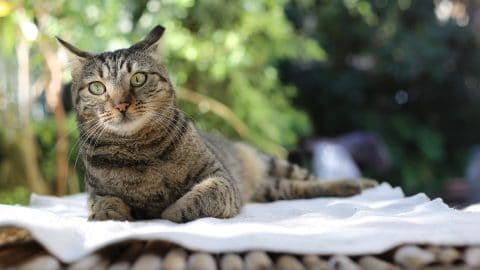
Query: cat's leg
[(212, 197), (108, 208), (278, 167), (287, 189)]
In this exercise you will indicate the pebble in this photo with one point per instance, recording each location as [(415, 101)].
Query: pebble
[(176, 259), (87, 262), (445, 255), (231, 262), (44, 262), (413, 257), (288, 262), (342, 262), (372, 263), (147, 262), (313, 262), (258, 260), (201, 261), (472, 256)]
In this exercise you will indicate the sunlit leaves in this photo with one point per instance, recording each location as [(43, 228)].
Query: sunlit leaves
[(7, 34), (417, 68), (227, 51), (6, 8)]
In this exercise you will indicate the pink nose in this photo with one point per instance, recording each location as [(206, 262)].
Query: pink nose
[(122, 107)]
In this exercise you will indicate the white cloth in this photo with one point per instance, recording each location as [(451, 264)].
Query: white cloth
[(378, 219)]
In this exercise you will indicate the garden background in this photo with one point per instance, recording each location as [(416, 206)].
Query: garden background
[(270, 72)]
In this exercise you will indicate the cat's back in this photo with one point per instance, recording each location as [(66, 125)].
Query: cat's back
[(223, 150), (245, 163)]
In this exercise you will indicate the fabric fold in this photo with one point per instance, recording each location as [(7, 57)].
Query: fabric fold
[(369, 223)]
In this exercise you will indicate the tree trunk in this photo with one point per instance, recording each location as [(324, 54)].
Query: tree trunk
[(28, 146), (55, 103)]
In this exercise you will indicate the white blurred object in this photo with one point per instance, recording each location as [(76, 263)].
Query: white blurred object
[(473, 208), (472, 175), (333, 161)]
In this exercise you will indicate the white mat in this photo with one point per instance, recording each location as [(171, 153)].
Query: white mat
[(372, 222)]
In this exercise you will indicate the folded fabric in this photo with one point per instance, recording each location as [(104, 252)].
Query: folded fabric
[(372, 222)]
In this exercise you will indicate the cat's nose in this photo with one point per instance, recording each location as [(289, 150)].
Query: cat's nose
[(122, 107), (121, 102)]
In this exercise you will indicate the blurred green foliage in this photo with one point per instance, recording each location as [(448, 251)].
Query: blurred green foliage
[(45, 131), (226, 52), (15, 195), (396, 69)]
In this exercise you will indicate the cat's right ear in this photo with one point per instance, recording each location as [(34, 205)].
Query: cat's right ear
[(76, 57), (149, 44)]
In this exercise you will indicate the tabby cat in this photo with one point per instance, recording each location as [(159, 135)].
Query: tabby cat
[(144, 158)]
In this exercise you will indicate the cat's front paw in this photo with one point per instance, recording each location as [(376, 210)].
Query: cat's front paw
[(110, 215), (174, 214), (109, 208)]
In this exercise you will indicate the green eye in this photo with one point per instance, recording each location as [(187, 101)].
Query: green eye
[(138, 79), (96, 88)]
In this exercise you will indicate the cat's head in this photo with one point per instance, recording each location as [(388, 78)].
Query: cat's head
[(121, 91)]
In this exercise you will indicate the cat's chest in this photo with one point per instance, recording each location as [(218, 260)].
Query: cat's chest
[(158, 183), (142, 175)]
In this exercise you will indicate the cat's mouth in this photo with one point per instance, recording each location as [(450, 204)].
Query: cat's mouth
[(124, 118), (125, 124)]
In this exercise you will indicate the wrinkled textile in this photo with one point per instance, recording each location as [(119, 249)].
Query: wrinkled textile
[(373, 222)]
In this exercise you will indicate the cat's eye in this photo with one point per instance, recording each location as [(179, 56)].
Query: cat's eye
[(138, 79), (96, 88)]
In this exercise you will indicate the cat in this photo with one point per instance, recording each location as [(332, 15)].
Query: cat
[(144, 159)]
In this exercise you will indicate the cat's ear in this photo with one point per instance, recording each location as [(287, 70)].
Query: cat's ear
[(76, 57), (150, 43)]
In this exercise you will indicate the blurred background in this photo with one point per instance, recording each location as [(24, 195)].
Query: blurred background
[(388, 89)]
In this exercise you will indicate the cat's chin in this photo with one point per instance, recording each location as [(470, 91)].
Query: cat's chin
[(126, 127)]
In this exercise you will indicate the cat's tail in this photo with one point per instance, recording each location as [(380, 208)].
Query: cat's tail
[(259, 167), (277, 167)]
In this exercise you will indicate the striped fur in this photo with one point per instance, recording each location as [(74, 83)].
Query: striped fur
[(148, 160)]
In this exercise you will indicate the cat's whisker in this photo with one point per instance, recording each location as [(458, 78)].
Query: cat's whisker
[(173, 127), (88, 134), (167, 127), (188, 115), (168, 123), (99, 136), (80, 125), (84, 139)]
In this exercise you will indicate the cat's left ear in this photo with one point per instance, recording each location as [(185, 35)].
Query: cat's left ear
[(76, 57), (150, 43)]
